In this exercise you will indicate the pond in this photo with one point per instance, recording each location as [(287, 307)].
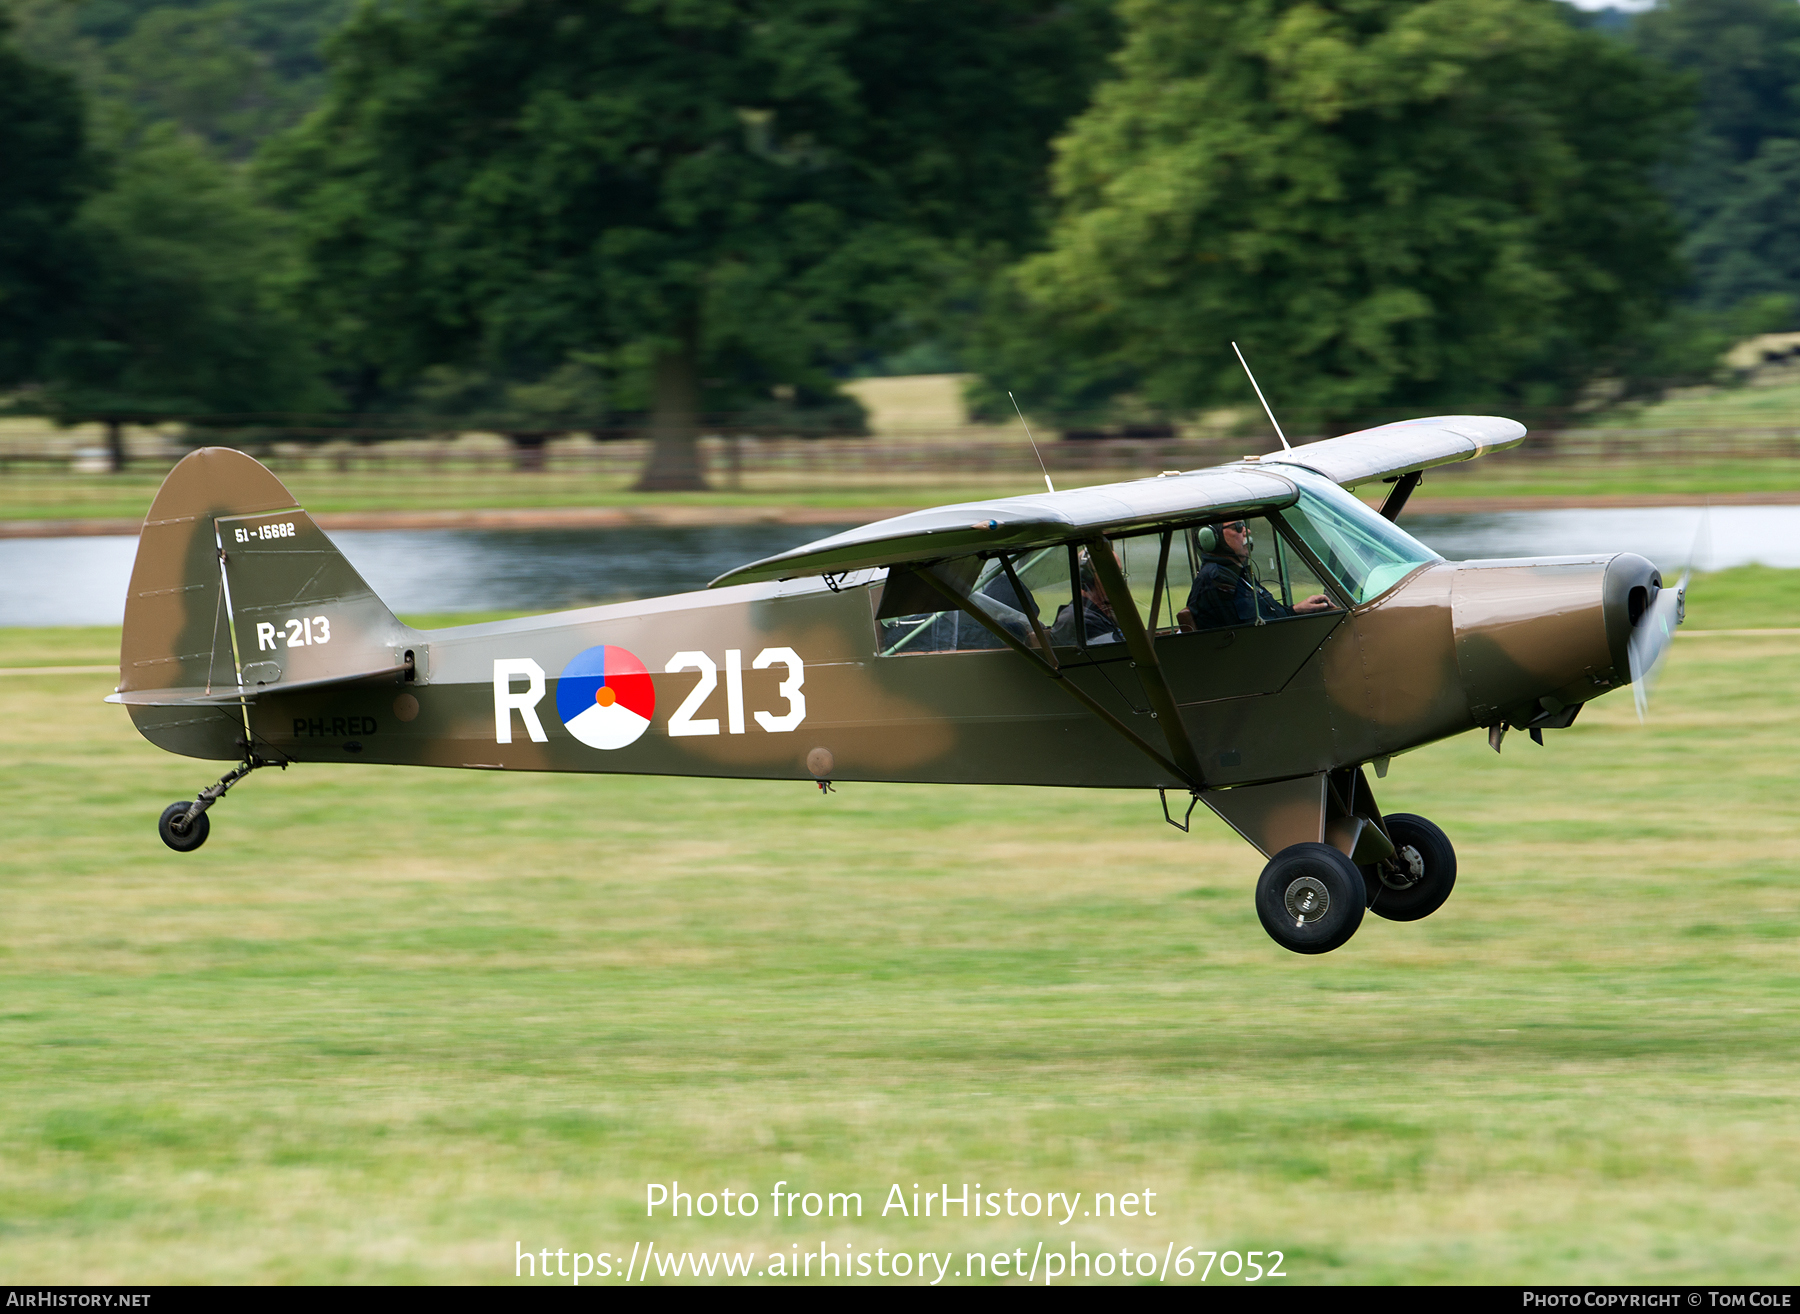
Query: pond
[(82, 581)]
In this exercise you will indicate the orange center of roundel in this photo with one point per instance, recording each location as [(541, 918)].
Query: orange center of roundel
[(605, 697)]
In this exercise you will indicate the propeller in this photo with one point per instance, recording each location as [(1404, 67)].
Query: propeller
[(1650, 640), (1653, 631)]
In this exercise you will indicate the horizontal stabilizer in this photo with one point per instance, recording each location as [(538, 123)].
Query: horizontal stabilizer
[(1397, 449), (231, 696)]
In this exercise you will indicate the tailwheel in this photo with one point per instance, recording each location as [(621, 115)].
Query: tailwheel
[(1414, 882), (1310, 898), (184, 826), (179, 831)]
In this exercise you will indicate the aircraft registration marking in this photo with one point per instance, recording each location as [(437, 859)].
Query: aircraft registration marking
[(333, 727), (630, 709), (298, 631)]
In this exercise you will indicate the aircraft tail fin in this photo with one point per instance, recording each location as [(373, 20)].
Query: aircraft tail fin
[(236, 591)]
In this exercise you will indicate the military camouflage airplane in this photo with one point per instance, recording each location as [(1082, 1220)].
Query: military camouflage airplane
[(1250, 635)]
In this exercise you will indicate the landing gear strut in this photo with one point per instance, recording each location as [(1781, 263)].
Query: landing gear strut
[(184, 827)]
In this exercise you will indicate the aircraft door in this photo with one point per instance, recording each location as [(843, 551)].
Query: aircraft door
[(1243, 609)]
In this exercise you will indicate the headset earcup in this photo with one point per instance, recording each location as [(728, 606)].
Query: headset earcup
[(1209, 539)]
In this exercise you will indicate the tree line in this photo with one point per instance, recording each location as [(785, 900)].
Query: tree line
[(542, 215)]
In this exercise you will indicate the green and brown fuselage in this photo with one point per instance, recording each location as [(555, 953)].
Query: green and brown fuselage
[(787, 680)]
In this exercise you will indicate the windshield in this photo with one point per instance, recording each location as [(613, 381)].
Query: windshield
[(1364, 553)]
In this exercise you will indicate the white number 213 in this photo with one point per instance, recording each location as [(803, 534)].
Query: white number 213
[(683, 722)]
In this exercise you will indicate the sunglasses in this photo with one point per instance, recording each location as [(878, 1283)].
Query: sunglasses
[(1237, 527)]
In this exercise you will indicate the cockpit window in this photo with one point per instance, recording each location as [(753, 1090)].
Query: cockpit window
[(1364, 553), (1044, 573)]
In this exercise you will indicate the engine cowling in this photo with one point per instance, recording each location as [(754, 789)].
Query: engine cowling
[(1537, 638)]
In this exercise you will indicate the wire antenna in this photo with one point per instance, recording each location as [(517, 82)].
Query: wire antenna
[(1034, 446), (1264, 400)]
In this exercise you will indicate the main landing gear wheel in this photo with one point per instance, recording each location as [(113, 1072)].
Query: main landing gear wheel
[(1310, 898), (1414, 882), (178, 832)]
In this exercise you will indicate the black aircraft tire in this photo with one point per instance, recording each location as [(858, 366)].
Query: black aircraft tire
[(1317, 886), (1436, 855), (182, 841)]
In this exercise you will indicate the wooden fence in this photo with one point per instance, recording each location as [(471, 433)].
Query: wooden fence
[(737, 461)]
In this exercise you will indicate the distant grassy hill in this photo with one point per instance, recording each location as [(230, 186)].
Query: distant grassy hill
[(1774, 403)]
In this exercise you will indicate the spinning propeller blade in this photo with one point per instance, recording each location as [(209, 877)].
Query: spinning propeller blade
[(1653, 630), (1650, 640)]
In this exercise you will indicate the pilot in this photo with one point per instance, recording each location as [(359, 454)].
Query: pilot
[(1097, 619), (1227, 592)]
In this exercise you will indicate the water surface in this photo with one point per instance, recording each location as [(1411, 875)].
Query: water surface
[(81, 581)]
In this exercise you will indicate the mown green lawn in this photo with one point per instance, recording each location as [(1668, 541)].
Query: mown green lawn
[(61, 495), (389, 1024), (1624, 475), (1771, 404)]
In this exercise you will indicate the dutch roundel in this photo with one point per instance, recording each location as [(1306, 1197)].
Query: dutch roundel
[(605, 697)]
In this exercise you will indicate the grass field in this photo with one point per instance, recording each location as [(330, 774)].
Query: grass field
[(389, 1024), (62, 495), (1771, 403)]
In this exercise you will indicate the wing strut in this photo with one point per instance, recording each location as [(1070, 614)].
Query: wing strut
[(1046, 662), (1403, 489), (1143, 652), (1045, 649)]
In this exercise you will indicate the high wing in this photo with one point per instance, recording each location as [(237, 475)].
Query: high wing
[(1014, 524), (1402, 448)]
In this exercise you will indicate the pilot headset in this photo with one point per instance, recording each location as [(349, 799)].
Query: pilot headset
[(1210, 541)]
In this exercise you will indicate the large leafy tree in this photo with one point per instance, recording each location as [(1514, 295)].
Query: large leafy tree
[(229, 72), (727, 195), (1435, 203), (1748, 247), (139, 279), (48, 171), (182, 307), (1736, 183)]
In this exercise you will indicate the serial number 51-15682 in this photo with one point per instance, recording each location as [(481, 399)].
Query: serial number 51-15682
[(263, 533)]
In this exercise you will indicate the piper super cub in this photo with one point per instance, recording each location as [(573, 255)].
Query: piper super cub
[(1250, 635)]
